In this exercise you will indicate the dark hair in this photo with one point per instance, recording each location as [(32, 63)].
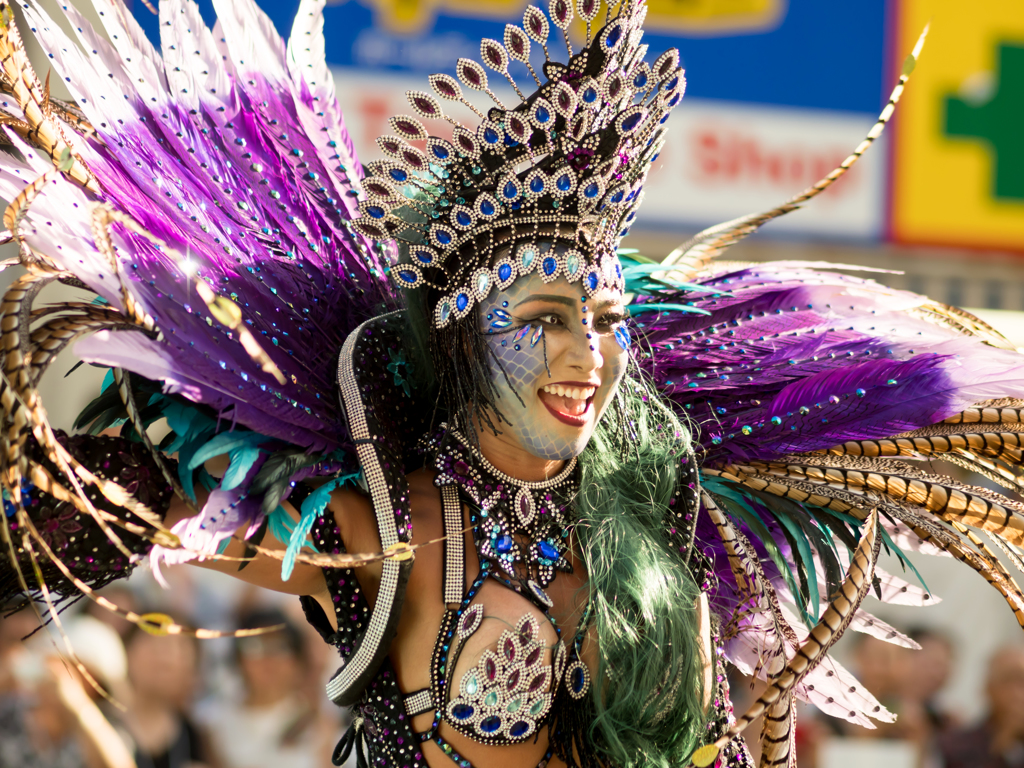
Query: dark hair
[(258, 618)]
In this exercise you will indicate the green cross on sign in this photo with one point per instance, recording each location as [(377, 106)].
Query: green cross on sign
[(999, 122)]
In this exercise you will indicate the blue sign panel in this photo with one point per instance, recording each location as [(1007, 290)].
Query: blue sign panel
[(795, 53)]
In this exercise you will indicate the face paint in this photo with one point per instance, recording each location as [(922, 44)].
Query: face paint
[(553, 405)]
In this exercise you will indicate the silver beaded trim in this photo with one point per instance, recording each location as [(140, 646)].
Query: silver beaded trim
[(418, 703)]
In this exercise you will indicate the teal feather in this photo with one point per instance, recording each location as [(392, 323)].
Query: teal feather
[(312, 507), (242, 449)]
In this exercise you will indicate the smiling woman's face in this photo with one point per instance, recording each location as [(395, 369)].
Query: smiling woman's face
[(561, 402)]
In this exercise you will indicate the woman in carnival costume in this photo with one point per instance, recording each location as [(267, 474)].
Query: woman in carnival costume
[(588, 479)]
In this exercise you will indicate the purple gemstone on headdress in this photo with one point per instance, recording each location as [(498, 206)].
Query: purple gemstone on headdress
[(490, 669), (533, 657), (509, 649), (491, 724), (513, 680), (524, 504), (538, 682), (549, 265), (460, 468)]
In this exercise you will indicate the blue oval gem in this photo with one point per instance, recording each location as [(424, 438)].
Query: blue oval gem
[(491, 724), (589, 95), (425, 257), (487, 208), (542, 115), (617, 197), (591, 190), (510, 142), (672, 83), (443, 237), (398, 174), (491, 136), (463, 218), (510, 191), (673, 101), (461, 301), (549, 265), (547, 550), (592, 281), (640, 80), (408, 276), (564, 183), (519, 729), (462, 711), (631, 122), (577, 680), (504, 272), (440, 152), (536, 185), (503, 544), (376, 211), (613, 37)]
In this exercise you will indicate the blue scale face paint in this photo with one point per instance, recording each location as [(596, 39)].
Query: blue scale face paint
[(555, 325)]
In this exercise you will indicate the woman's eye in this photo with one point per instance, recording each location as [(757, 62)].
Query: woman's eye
[(550, 319), (610, 321)]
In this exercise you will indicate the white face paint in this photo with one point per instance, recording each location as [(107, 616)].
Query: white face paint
[(558, 404)]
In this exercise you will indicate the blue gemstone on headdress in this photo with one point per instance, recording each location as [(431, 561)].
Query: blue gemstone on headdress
[(491, 724), (504, 272), (503, 544), (462, 711), (640, 80), (461, 302), (445, 311), (511, 142), (613, 37), (463, 219), (618, 270), (617, 197), (542, 115), (536, 185), (519, 729), (443, 236), (592, 281), (591, 190), (672, 83), (424, 256), (510, 191), (408, 276), (440, 152), (491, 136), (547, 550), (673, 101), (631, 122), (549, 265), (622, 336), (398, 174), (487, 208), (589, 95), (572, 264), (376, 211), (564, 182)]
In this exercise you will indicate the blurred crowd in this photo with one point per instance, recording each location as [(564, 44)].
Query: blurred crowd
[(926, 732), (138, 700)]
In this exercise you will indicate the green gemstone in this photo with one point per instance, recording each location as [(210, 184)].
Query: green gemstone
[(514, 705), (472, 686), (537, 707), (491, 699)]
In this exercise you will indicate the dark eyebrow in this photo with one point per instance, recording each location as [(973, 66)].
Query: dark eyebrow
[(552, 297)]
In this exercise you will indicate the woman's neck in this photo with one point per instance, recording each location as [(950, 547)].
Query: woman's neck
[(509, 457)]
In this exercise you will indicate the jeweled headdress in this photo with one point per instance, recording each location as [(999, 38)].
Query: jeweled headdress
[(567, 164)]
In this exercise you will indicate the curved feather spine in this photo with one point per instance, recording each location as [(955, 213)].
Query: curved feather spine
[(834, 620)]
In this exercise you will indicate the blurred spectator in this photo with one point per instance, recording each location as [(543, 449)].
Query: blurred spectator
[(274, 723), (162, 676), (121, 595), (998, 741)]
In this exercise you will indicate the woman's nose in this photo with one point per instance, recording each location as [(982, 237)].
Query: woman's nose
[(585, 353)]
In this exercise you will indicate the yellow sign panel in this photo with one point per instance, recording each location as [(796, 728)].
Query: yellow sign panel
[(958, 161), (697, 17)]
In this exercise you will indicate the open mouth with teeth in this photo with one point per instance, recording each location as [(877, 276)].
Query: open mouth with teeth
[(569, 403)]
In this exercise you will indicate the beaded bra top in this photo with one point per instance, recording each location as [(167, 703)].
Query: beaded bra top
[(567, 162)]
